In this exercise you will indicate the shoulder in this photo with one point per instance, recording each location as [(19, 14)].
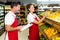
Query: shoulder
[(35, 14), (8, 15), (9, 19), (29, 15)]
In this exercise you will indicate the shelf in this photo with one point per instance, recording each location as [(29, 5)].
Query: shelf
[(1, 18), (43, 33), (41, 10), (53, 23), (1, 21), (7, 7), (1, 15), (54, 20), (56, 35), (22, 11), (1, 8), (56, 7), (47, 7), (1, 31)]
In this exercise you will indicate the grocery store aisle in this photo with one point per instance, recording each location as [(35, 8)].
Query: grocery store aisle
[(22, 35)]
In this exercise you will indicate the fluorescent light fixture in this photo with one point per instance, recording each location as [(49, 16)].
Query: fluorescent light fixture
[(54, 0), (42, 0), (48, 0)]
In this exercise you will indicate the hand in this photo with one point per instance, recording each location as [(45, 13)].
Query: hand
[(19, 27), (45, 14)]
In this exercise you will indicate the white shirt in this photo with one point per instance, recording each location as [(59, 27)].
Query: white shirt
[(30, 17), (9, 18)]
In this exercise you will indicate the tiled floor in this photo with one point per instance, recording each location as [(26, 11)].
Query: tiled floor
[(22, 35)]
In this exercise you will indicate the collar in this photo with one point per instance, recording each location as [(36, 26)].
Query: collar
[(32, 14), (12, 13)]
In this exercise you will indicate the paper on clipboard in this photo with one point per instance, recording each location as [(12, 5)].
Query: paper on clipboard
[(25, 27)]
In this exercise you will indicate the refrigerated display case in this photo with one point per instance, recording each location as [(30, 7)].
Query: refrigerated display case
[(1, 19)]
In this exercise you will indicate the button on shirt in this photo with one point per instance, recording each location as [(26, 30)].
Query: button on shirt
[(9, 18)]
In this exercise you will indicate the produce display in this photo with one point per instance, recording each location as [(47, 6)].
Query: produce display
[(23, 21), (45, 26), (57, 38), (50, 32), (40, 24), (42, 38), (48, 13), (52, 15)]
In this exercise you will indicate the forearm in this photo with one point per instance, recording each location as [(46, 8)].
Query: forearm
[(13, 29), (37, 22), (41, 20), (9, 28)]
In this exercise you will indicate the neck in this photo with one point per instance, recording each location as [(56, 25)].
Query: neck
[(31, 12), (12, 10)]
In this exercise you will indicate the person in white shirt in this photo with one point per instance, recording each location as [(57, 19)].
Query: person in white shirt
[(35, 20), (11, 22)]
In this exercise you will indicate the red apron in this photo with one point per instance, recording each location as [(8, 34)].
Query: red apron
[(34, 32), (13, 35)]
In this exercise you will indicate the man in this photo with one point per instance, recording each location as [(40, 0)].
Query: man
[(11, 22)]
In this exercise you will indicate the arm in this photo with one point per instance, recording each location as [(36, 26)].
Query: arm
[(9, 19), (31, 19), (9, 28), (37, 22)]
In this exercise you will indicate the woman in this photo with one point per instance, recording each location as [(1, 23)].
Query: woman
[(34, 19)]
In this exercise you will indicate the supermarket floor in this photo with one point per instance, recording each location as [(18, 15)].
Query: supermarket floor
[(22, 35)]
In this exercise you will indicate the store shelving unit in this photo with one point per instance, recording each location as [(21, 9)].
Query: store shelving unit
[(42, 8), (1, 19), (7, 8), (55, 24), (23, 15)]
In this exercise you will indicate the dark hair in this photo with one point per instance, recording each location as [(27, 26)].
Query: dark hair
[(28, 6), (14, 4)]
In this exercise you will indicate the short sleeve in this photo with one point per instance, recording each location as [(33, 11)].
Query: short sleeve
[(30, 19), (9, 19), (36, 16)]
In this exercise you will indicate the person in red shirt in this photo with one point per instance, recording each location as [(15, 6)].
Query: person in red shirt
[(35, 20), (11, 22)]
